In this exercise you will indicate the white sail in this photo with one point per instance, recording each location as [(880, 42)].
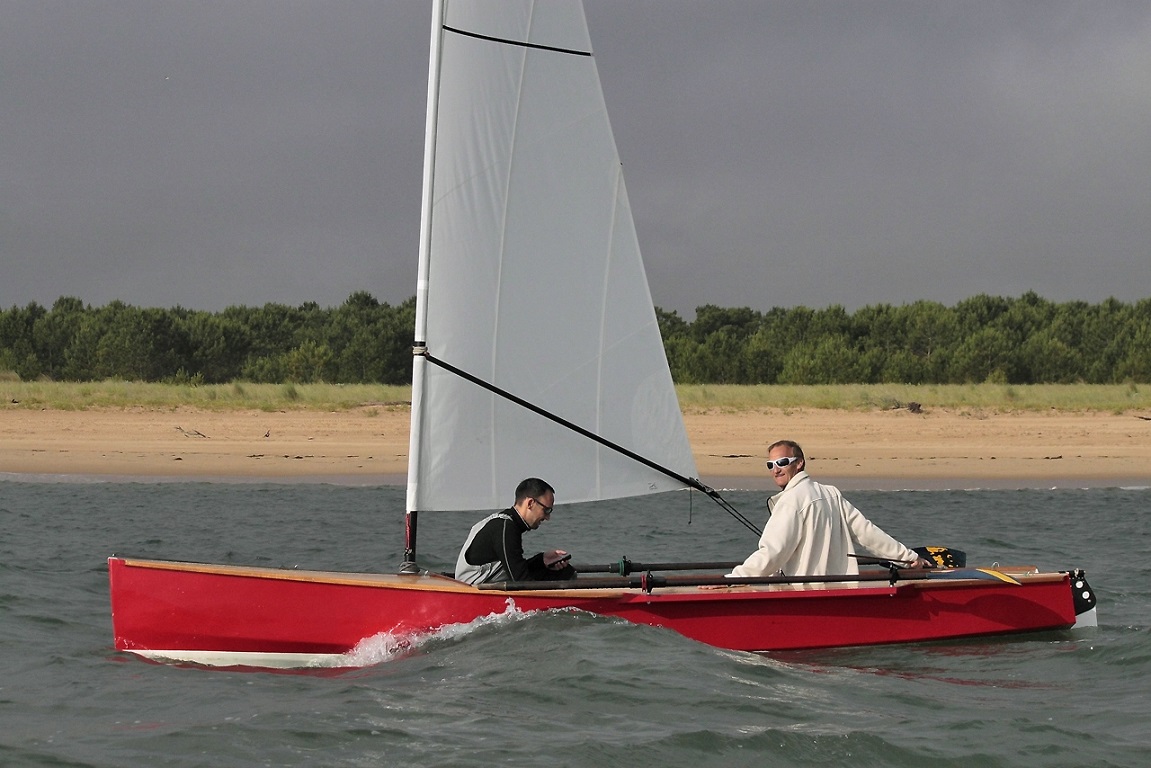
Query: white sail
[(531, 275)]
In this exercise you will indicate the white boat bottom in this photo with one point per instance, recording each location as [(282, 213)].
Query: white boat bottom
[(1087, 619), (249, 659)]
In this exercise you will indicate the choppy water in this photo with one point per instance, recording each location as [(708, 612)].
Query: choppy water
[(561, 689)]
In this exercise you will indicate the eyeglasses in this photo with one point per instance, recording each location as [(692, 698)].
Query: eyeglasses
[(781, 463), (547, 510)]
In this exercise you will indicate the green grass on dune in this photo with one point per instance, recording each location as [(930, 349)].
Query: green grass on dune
[(78, 396), (1115, 398), (1001, 398)]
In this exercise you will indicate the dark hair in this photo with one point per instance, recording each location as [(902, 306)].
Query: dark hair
[(794, 446), (533, 487)]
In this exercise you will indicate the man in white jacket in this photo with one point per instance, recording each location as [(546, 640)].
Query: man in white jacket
[(813, 530)]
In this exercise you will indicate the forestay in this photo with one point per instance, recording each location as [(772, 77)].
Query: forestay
[(531, 276)]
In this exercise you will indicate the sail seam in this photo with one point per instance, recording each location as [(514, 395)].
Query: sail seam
[(519, 43)]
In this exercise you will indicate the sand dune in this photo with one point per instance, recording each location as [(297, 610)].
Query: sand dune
[(877, 449)]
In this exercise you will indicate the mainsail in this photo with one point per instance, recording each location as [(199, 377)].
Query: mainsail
[(531, 277)]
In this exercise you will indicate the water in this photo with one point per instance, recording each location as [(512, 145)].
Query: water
[(561, 689)]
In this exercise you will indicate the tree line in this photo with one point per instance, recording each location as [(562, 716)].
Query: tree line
[(361, 341), (1025, 340)]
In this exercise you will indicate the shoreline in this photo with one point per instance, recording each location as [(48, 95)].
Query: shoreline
[(722, 484), (855, 450)]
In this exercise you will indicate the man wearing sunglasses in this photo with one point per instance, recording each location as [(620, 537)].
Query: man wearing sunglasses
[(813, 530), (494, 550)]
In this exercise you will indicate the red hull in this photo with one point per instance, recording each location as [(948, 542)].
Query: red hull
[(271, 617)]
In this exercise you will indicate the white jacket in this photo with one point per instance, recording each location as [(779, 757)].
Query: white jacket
[(813, 531)]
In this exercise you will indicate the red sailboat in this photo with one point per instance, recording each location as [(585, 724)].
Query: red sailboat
[(538, 353), (268, 617)]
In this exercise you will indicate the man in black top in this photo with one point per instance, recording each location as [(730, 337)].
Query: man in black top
[(494, 550)]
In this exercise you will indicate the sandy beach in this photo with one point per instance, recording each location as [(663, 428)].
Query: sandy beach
[(877, 449)]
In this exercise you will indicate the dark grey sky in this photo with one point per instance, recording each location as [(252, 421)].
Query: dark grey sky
[(848, 152)]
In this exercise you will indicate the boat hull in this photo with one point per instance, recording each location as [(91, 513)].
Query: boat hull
[(214, 614)]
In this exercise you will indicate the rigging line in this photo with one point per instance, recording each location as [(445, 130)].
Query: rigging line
[(722, 502), (690, 482), (727, 507), (520, 43)]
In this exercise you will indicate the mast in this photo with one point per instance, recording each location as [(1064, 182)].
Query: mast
[(419, 344)]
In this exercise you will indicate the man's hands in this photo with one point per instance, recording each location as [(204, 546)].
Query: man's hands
[(557, 559)]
